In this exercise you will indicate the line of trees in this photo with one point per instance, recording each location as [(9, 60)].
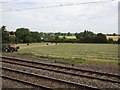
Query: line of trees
[(24, 35), (90, 37)]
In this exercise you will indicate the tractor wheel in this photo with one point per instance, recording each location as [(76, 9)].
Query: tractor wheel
[(7, 50), (16, 50), (12, 50)]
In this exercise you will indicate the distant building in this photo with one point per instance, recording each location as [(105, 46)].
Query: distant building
[(115, 38)]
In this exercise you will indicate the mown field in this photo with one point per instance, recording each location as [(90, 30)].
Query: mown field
[(77, 53)]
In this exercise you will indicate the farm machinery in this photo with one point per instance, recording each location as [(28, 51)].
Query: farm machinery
[(10, 48)]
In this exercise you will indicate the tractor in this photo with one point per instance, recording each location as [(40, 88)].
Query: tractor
[(11, 48)]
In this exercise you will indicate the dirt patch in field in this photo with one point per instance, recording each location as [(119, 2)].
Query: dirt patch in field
[(107, 68)]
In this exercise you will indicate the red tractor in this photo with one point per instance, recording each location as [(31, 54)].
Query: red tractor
[(11, 48)]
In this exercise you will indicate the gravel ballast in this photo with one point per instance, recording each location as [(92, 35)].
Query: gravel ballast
[(81, 80)]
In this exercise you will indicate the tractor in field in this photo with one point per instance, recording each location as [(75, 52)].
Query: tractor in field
[(11, 48)]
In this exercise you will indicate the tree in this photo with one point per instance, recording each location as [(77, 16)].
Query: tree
[(5, 34), (28, 39), (89, 39), (11, 33), (23, 35), (48, 37), (100, 38), (86, 36), (118, 41), (110, 40), (3, 28), (56, 37), (69, 34), (35, 37), (114, 34), (63, 39), (12, 39), (58, 34)]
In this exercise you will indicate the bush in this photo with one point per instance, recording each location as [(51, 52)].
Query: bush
[(4, 47)]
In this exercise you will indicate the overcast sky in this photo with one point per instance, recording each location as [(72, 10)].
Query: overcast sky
[(78, 16)]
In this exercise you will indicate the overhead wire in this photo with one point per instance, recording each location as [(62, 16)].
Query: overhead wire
[(60, 5)]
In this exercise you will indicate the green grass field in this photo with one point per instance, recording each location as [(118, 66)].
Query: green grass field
[(77, 53)]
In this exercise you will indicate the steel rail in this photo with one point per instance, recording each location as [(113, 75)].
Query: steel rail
[(70, 68), (26, 82), (49, 78), (69, 73)]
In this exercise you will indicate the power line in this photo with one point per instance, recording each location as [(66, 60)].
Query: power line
[(61, 5), (3, 1)]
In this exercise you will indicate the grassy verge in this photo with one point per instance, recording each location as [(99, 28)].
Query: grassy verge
[(72, 60)]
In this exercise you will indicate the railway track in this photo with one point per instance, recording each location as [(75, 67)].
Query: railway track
[(33, 79), (26, 83), (62, 69)]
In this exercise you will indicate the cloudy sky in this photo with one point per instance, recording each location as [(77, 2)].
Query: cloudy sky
[(60, 15)]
